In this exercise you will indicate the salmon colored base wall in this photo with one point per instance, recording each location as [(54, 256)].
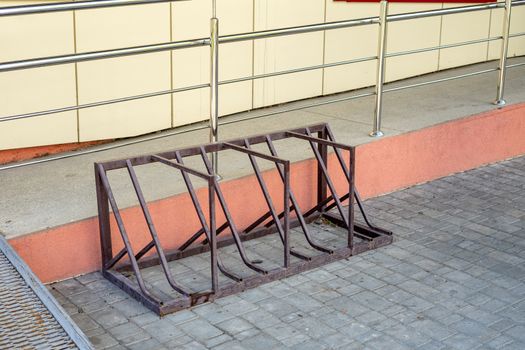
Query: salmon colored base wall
[(382, 166), (16, 155)]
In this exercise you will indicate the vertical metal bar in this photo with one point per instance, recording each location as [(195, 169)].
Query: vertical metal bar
[(351, 191), (125, 238), (286, 218), (229, 218), (103, 218), (213, 236), (200, 214), (321, 182), (214, 88), (381, 52), (347, 175), (295, 203), (153, 232), (500, 101)]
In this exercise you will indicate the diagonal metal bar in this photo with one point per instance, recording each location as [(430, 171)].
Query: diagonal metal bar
[(324, 170), (346, 172), (196, 204), (229, 219), (295, 204), (202, 219), (266, 194), (153, 231), (116, 259), (124, 235)]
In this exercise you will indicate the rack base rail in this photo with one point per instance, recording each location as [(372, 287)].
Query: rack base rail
[(359, 237)]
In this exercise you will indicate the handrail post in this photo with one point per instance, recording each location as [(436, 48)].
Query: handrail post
[(504, 52), (214, 88), (381, 52)]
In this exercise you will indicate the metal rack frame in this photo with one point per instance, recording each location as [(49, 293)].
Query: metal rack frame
[(359, 237)]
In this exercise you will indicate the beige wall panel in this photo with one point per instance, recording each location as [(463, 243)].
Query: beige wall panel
[(124, 76), (125, 119), (235, 61), (32, 36), (192, 66), (117, 27), (121, 77), (464, 27), (517, 25), (290, 52), (191, 106), (410, 35), (35, 90), (25, 37), (350, 43)]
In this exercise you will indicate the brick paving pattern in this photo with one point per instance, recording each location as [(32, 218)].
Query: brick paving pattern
[(453, 279)]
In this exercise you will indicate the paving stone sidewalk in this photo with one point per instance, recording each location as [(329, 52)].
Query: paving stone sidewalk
[(453, 279)]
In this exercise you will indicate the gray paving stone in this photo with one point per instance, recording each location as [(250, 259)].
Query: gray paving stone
[(163, 330), (109, 318), (148, 344), (261, 342), (215, 342), (129, 333), (234, 325), (200, 330), (103, 341)]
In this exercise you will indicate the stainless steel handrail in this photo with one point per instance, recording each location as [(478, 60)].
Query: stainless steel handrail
[(73, 6), (98, 55), (101, 103), (214, 83)]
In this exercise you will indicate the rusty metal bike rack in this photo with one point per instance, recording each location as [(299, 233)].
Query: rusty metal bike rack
[(360, 237)]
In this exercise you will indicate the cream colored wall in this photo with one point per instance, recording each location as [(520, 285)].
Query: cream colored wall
[(284, 53), (40, 88), (90, 30)]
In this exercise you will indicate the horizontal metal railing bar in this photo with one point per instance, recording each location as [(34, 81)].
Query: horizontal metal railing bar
[(101, 103), (98, 55), (309, 28), (73, 6), (516, 34), (297, 70), (297, 108), (516, 65), (450, 11), (399, 88), (441, 47)]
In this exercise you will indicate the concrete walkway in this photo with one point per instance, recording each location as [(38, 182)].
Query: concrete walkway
[(51, 194), (453, 279)]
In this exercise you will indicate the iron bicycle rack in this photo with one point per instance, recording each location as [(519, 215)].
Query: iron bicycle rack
[(359, 237)]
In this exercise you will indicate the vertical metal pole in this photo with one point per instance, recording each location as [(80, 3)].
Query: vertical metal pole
[(214, 88), (381, 52), (351, 193), (213, 237), (321, 182), (286, 217), (504, 52), (103, 218)]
